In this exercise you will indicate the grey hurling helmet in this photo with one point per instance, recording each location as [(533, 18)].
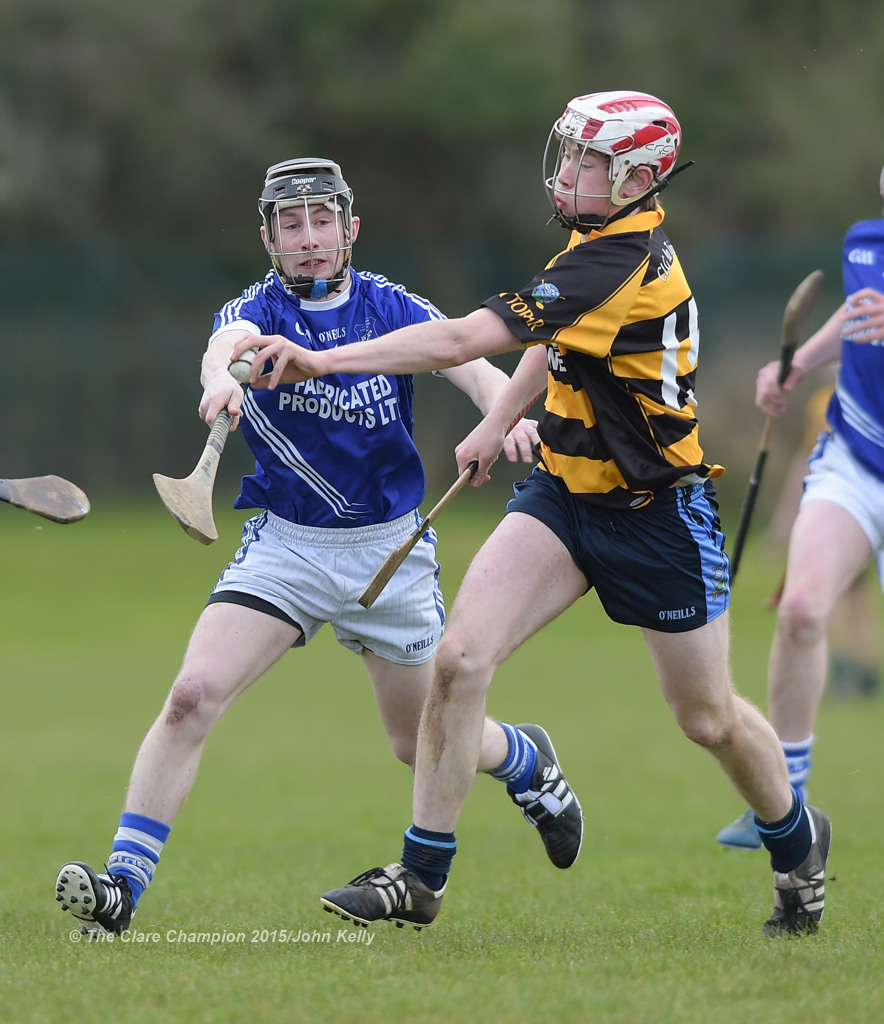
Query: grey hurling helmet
[(308, 181)]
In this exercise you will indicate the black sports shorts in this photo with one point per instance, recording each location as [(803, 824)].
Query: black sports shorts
[(662, 566)]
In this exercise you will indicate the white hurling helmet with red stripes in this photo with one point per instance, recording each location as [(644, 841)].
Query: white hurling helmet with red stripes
[(631, 128)]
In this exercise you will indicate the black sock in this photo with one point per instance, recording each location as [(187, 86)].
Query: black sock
[(787, 840), (428, 854)]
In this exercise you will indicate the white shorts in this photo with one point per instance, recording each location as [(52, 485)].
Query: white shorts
[(835, 474), (311, 575)]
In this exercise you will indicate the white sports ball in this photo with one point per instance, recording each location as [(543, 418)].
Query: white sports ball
[(242, 367)]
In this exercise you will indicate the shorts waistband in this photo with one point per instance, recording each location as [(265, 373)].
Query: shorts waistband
[(691, 480), (319, 536)]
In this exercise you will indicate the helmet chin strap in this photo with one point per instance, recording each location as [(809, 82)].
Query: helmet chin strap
[(313, 288), (594, 222)]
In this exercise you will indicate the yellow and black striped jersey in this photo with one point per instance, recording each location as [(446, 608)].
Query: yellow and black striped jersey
[(620, 325)]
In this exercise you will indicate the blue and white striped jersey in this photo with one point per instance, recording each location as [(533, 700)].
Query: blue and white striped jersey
[(336, 451), (856, 409)]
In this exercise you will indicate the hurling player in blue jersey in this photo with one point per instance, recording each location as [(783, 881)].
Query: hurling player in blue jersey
[(839, 528), (622, 502), (338, 482)]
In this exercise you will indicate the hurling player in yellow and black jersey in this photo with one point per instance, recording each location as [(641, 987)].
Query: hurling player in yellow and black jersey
[(622, 503)]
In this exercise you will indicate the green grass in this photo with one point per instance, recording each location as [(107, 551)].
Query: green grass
[(298, 793)]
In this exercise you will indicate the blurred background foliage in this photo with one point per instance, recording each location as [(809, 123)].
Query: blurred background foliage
[(134, 137)]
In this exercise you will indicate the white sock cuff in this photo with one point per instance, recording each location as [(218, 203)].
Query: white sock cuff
[(134, 835), (797, 747)]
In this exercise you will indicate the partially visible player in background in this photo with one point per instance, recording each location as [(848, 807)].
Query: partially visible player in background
[(839, 528), (338, 481), (854, 633)]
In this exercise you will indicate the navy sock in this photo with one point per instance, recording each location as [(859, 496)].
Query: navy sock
[(429, 855), (517, 768), (787, 840)]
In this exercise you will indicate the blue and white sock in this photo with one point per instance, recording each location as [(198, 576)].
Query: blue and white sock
[(517, 768), (429, 854), (136, 851), (798, 761)]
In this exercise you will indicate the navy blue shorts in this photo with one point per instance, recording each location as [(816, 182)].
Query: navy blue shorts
[(662, 566)]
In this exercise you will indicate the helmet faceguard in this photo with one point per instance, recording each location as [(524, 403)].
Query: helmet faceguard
[(632, 129), (307, 182)]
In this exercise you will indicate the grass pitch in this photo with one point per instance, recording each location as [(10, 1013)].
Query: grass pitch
[(298, 792)]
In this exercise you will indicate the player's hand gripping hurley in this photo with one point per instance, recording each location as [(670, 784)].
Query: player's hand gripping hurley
[(52, 497), (398, 555), (798, 309), (190, 500)]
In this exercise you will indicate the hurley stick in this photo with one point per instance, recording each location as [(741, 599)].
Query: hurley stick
[(190, 499), (398, 555), (798, 309), (52, 497)]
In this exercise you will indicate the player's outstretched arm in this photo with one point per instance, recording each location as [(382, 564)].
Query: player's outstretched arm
[(418, 348)]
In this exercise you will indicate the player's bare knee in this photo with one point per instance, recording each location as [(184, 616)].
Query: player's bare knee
[(459, 669), (800, 618), (184, 700), (705, 727), (405, 749)]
